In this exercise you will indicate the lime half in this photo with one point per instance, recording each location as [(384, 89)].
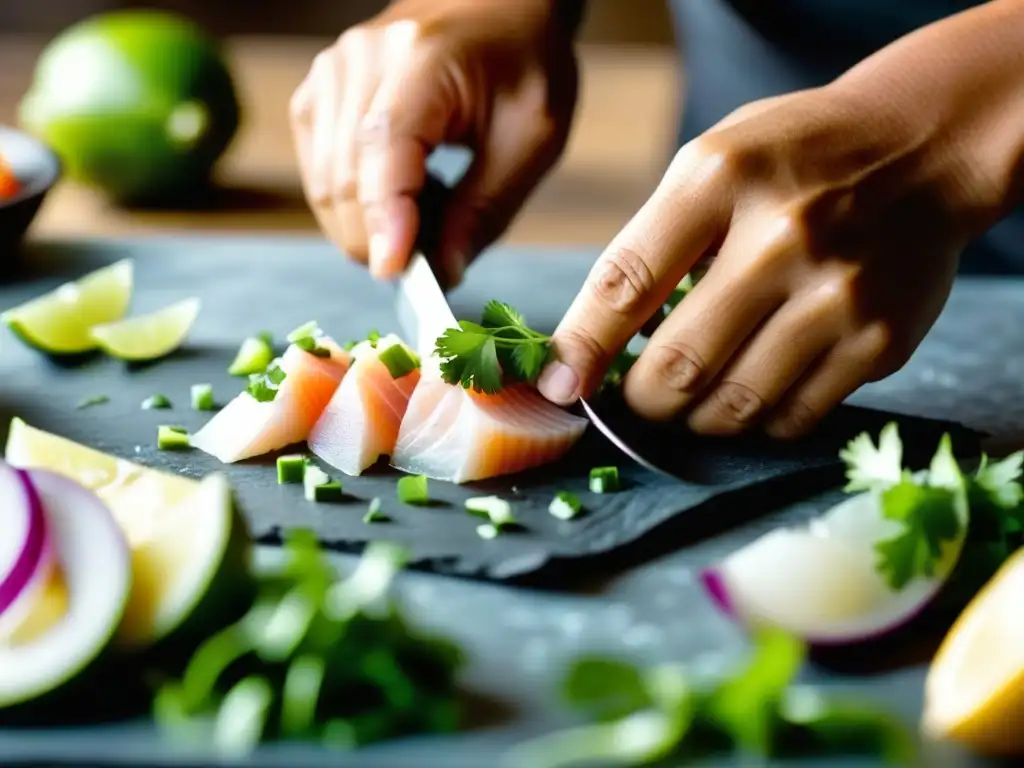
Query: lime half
[(148, 337), (59, 322)]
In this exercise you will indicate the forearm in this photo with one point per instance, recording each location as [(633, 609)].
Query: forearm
[(958, 87)]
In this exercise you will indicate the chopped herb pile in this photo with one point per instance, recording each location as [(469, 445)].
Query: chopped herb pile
[(316, 658), (644, 717), (414, 489), (565, 505), (604, 480), (481, 356), (156, 402), (254, 355), (932, 509), (171, 438), (263, 387), (202, 397), (88, 402), (305, 337)]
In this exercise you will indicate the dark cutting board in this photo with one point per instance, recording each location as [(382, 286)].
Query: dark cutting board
[(260, 284)]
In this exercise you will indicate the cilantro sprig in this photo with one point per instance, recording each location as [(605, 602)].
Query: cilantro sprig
[(483, 355), (933, 507)]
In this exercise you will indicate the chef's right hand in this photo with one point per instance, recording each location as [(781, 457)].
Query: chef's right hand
[(495, 76)]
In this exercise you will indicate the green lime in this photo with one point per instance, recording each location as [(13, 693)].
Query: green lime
[(140, 104), (148, 337), (59, 322)]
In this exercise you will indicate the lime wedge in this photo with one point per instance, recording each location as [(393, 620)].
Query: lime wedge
[(189, 545), (59, 322), (148, 337)]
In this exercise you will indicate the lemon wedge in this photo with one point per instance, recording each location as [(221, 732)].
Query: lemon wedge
[(59, 322), (148, 337), (974, 693), (189, 546)]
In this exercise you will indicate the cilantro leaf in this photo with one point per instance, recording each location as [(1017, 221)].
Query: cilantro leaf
[(929, 518), (868, 467), (999, 482), (469, 357), (526, 361), (499, 315)]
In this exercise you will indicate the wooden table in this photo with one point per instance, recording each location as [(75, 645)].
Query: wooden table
[(625, 127)]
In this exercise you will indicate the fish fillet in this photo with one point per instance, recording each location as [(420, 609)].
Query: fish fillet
[(454, 434), (246, 427), (361, 423)]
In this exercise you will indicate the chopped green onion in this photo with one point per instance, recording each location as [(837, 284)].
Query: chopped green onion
[(254, 355), (154, 402), (305, 336), (413, 489), (604, 479), (171, 438), (565, 505), (263, 387), (318, 485), (202, 397), (487, 531), (304, 331), (242, 717), (291, 469), (497, 511), (300, 695), (373, 337), (374, 514), (88, 402), (350, 345), (399, 360)]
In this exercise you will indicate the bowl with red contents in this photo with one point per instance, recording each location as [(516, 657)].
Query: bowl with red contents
[(28, 171)]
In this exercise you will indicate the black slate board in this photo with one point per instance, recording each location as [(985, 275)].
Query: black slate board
[(260, 286)]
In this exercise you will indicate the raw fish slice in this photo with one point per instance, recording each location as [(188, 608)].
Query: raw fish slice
[(361, 422), (454, 434), (245, 427)]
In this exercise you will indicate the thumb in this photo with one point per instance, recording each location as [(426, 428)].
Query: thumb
[(504, 171)]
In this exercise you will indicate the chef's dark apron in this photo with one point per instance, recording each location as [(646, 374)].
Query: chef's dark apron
[(737, 51)]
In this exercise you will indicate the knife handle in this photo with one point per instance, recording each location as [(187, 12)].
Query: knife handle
[(432, 202)]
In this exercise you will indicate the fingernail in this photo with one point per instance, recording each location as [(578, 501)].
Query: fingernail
[(558, 383), (380, 256)]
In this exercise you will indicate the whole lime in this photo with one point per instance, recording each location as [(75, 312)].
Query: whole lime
[(140, 104)]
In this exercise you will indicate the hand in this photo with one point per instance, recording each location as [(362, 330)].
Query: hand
[(835, 216), (497, 77)]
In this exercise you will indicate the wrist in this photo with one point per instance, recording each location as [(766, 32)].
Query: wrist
[(953, 94)]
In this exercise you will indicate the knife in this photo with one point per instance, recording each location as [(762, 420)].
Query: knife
[(424, 312)]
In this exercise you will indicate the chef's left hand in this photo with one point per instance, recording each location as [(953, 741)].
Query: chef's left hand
[(835, 216)]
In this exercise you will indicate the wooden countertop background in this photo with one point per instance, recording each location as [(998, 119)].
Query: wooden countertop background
[(625, 127)]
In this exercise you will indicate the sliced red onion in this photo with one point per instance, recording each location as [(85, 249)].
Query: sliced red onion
[(26, 552), (820, 581)]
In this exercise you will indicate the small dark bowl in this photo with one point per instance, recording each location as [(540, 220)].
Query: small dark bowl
[(37, 169)]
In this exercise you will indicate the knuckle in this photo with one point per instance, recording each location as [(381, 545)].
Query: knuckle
[(352, 41), (795, 420), (736, 402), (346, 189), (884, 350), (300, 105), (621, 281), (678, 366), (719, 156), (581, 348)]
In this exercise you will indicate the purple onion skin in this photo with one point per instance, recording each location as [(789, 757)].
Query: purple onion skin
[(33, 549)]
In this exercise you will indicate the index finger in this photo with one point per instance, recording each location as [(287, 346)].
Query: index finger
[(631, 280)]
